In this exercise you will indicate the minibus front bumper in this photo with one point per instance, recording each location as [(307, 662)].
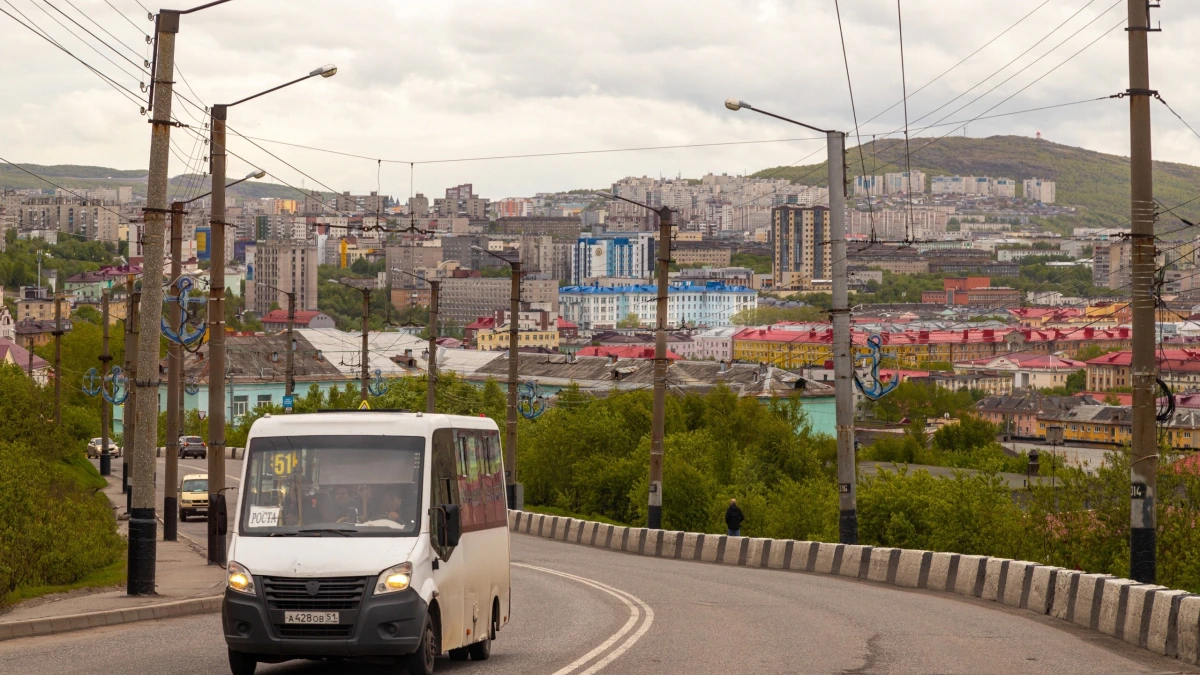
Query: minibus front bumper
[(381, 625)]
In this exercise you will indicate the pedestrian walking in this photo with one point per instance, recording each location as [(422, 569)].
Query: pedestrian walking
[(733, 519)]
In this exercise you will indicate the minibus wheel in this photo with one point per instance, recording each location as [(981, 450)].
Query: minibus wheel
[(480, 651), (420, 662)]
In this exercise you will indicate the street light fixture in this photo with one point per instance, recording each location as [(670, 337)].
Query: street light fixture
[(431, 361), (843, 365), (516, 495), (216, 308)]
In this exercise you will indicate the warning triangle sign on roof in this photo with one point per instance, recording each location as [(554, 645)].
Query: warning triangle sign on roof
[(364, 406)]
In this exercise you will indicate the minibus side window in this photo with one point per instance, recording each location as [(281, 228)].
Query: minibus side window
[(470, 484), (493, 480), (445, 479)]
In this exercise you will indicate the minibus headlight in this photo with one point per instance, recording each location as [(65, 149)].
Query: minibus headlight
[(394, 579), (239, 578)]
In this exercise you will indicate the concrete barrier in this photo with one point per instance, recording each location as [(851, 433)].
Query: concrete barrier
[(943, 568), (1152, 617), (1188, 623), (971, 574)]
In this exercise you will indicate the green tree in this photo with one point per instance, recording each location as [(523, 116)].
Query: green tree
[(631, 320)]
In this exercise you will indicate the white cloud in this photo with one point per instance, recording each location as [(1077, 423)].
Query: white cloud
[(438, 80)]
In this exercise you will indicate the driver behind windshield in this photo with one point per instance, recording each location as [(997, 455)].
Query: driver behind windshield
[(343, 509)]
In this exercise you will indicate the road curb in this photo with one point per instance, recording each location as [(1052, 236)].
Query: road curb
[(112, 617), (1161, 620)]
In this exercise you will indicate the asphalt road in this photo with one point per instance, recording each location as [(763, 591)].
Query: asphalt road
[(621, 613)]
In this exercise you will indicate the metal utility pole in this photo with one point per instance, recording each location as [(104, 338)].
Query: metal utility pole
[(431, 362), (143, 527), (514, 355), (366, 326), (105, 457), (1144, 466), (216, 329), (58, 333), (174, 369), (659, 413), (843, 358)]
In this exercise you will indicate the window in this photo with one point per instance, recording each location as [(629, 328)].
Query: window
[(263, 400), (239, 405)]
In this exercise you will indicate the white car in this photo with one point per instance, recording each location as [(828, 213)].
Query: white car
[(94, 449)]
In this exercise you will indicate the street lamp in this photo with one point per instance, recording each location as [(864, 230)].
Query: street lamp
[(366, 315), (175, 384), (431, 362), (843, 365), (516, 496), (216, 305)]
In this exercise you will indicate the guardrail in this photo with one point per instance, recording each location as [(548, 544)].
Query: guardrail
[(1162, 620)]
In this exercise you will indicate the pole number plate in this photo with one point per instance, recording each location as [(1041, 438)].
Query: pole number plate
[(844, 488), (310, 617), (1137, 491)]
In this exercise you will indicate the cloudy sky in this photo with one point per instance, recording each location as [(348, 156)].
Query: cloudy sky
[(445, 80)]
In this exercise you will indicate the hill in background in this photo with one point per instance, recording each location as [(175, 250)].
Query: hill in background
[(1095, 182), (72, 176)]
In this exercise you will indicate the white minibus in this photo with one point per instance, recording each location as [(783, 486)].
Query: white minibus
[(371, 535)]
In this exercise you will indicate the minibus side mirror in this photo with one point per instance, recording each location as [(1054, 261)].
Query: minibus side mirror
[(218, 516), (453, 525)]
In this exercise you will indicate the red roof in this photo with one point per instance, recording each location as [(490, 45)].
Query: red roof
[(482, 323), (1125, 399), (626, 352), (563, 323), (967, 336), (21, 357), (303, 316), (1187, 360)]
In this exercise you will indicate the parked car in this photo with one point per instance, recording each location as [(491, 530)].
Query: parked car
[(94, 449), (193, 496), (192, 446)]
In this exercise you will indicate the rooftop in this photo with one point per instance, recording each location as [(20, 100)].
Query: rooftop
[(682, 287)]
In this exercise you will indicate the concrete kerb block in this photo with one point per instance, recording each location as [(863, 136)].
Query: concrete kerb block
[(1087, 600), (637, 540), (734, 550), (713, 545), (589, 533), (855, 560), (1162, 636), (970, 575), (1113, 598), (755, 551), (1041, 588), (804, 556), (513, 518), (1017, 582), (912, 568), (882, 564), (654, 539), (671, 542), (1138, 605), (828, 559), (995, 574), (691, 545), (943, 567), (777, 558), (1066, 586), (1188, 629), (617, 538)]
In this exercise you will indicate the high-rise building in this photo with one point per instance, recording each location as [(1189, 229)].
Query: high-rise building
[(1112, 264), (620, 255), (868, 185), (802, 250), (1039, 190), (904, 182), (287, 265), (464, 299)]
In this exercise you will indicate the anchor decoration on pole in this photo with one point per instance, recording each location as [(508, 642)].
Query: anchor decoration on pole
[(184, 334), (191, 386), (120, 388), (92, 382), (875, 390), (531, 403), (378, 386)]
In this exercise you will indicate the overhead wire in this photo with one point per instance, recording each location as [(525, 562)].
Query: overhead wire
[(908, 230), (854, 113)]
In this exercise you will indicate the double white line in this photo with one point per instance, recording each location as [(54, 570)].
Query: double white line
[(637, 609)]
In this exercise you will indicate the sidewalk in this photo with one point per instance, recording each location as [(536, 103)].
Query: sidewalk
[(185, 583)]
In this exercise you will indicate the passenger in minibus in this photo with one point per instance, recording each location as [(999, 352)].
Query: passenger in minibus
[(342, 509)]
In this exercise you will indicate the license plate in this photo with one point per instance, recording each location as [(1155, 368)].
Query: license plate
[(310, 617)]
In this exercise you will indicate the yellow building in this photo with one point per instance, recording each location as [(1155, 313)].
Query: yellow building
[(489, 340)]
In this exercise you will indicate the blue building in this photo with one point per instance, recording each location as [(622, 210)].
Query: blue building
[(622, 255), (712, 303)]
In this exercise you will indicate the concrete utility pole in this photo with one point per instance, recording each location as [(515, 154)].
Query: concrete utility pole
[(29, 349), (1144, 466), (290, 377), (366, 327), (131, 437), (659, 412), (143, 527), (105, 457), (843, 358), (431, 362), (216, 329), (174, 369), (58, 333), (516, 499), (128, 412)]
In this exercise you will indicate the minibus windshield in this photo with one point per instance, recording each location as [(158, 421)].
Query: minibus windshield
[(333, 486)]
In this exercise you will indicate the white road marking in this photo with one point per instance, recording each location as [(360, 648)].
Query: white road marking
[(634, 614), (200, 469)]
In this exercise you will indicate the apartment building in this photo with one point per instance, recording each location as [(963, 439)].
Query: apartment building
[(465, 299), (1039, 190), (801, 250), (409, 257), (289, 266), (560, 228), (620, 255), (701, 255), (710, 304), (904, 182), (1112, 264)]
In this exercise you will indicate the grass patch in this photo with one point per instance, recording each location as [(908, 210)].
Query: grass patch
[(113, 575), (83, 472), (563, 513)]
